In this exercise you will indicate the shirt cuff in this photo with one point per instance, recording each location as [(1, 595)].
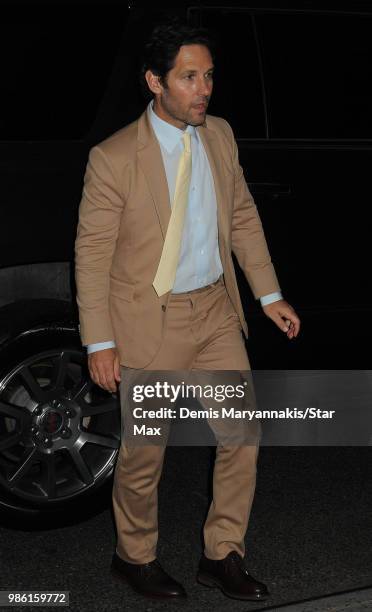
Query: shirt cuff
[(271, 297), (99, 346)]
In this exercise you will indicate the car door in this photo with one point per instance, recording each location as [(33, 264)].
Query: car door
[(295, 88)]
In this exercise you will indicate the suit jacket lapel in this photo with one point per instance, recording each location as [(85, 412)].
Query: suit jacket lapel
[(151, 162), (210, 142)]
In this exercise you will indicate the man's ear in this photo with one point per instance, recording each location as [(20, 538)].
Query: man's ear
[(153, 82)]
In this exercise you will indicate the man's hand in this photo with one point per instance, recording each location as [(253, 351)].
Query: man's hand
[(104, 368), (284, 316)]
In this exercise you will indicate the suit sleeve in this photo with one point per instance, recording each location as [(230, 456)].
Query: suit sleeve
[(248, 239), (100, 212)]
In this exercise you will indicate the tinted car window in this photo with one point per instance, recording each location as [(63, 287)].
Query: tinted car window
[(237, 94), (318, 70), (56, 61)]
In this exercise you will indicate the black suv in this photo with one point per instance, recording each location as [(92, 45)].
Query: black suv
[(294, 83)]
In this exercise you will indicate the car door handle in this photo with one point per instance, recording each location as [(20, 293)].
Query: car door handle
[(272, 190)]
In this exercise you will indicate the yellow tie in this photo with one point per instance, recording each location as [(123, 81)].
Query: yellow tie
[(166, 272)]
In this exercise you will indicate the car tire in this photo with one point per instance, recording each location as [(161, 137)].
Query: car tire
[(59, 433)]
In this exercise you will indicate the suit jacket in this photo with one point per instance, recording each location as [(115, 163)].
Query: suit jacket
[(123, 218)]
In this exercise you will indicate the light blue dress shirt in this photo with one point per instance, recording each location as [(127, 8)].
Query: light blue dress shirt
[(199, 262)]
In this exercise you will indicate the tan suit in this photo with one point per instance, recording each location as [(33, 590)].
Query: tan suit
[(123, 220)]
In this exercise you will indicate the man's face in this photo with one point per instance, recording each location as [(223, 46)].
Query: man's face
[(189, 84)]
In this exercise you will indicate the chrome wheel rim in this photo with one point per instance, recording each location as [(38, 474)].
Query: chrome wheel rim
[(59, 433)]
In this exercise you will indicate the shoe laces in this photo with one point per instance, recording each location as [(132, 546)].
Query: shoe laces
[(236, 561), (148, 568)]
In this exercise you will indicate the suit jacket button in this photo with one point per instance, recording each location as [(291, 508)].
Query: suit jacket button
[(163, 308)]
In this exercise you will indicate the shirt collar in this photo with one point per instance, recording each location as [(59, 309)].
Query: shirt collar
[(167, 134)]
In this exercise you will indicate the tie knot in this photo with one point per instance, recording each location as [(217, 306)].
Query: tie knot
[(187, 142)]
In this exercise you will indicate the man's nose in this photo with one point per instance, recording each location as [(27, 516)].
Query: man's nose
[(205, 87)]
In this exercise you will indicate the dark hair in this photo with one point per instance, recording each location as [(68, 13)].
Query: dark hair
[(160, 50)]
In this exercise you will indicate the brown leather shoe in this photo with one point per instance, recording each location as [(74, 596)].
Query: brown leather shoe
[(149, 579), (232, 577)]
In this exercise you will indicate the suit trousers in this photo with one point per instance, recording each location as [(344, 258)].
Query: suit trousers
[(202, 331)]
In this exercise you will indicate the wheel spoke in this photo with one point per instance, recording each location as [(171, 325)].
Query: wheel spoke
[(60, 370), (74, 375), (32, 385), (90, 410), (11, 410), (24, 467), (48, 480), (101, 440), (9, 440), (80, 390), (81, 466)]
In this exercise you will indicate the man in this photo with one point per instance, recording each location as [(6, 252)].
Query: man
[(164, 205)]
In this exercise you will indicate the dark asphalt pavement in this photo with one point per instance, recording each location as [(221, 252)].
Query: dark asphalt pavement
[(309, 534)]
